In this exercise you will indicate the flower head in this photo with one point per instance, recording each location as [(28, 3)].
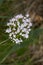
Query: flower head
[(19, 27)]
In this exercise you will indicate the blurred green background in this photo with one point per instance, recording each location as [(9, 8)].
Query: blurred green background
[(30, 51)]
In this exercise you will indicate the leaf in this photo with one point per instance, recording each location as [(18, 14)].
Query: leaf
[(8, 47)]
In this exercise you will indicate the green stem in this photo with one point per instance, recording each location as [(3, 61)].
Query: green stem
[(4, 41)]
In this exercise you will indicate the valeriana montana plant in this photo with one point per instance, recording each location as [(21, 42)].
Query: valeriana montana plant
[(19, 27)]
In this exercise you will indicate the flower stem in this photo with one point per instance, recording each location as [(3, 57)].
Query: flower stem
[(4, 41)]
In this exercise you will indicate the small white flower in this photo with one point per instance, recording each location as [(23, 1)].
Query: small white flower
[(8, 30), (17, 41), (27, 20), (8, 24), (13, 19), (18, 23), (10, 35), (22, 26), (25, 24), (19, 16), (30, 24), (14, 36), (21, 40), (27, 15), (29, 29), (10, 38), (24, 30), (18, 29), (26, 36), (21, 34), (24, 18), (27, 32)]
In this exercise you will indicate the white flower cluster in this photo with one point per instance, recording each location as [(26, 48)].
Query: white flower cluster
[(19, 27)]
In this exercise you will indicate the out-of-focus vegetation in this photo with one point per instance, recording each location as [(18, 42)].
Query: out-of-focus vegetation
[(30, 52)]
